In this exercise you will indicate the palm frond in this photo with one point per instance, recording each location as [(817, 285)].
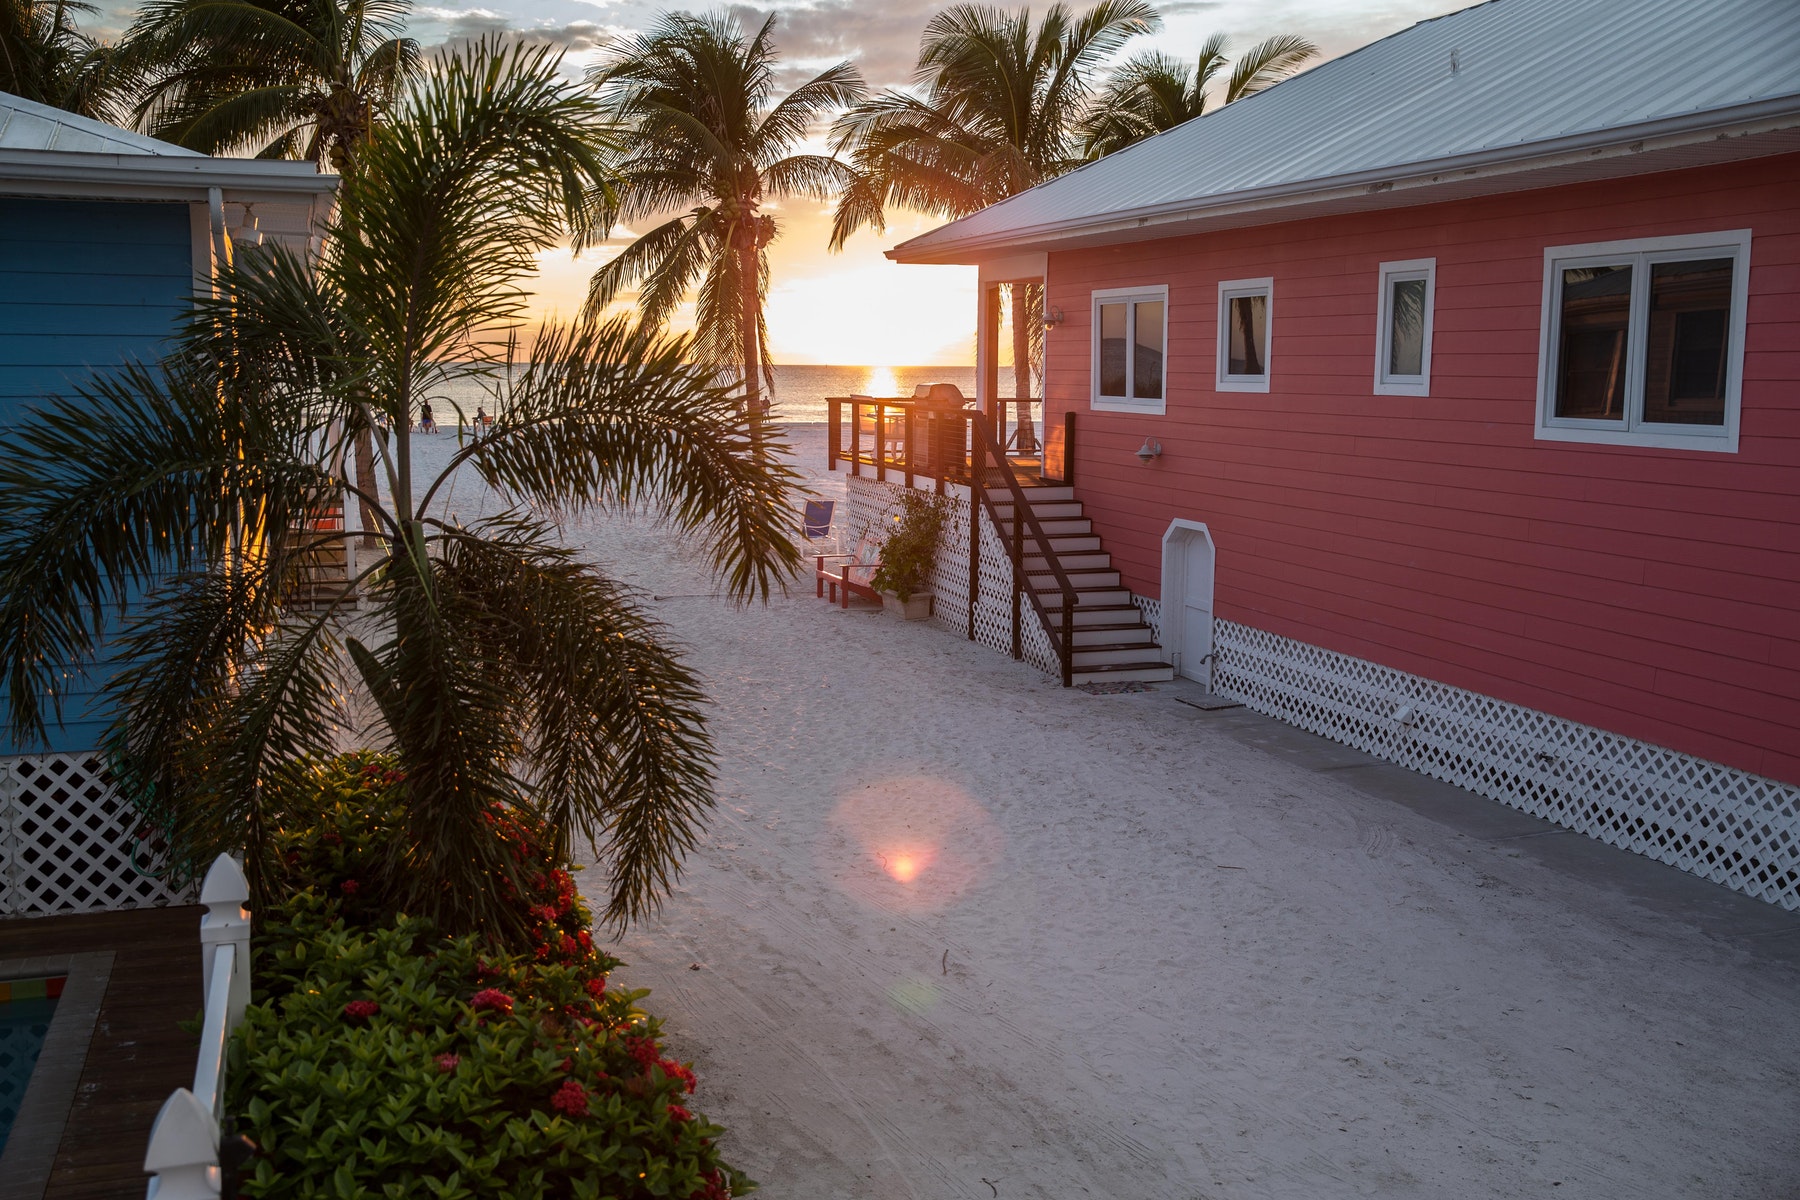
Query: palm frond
[(93, 510), (455, 720), (814, 176), (1002, 99), (665, 261), (1267, 63), (608, 416), (209, 737), (619, 755), (793, 119)]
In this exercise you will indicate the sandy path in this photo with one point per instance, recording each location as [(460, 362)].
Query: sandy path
[(1135, 957)]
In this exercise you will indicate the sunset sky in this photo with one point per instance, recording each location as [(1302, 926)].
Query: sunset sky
[(856, 307)]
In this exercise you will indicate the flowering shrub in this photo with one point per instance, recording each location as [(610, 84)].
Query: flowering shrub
[(380, 1059), (343, 838), (909, 554)]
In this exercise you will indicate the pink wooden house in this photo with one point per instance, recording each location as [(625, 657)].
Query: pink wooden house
[(1445, 399)]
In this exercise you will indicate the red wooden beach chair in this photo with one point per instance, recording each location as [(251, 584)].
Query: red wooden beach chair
[(856, 573)]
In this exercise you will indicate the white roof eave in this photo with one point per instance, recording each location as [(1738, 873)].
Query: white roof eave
[(1399, 184), (155, 176)]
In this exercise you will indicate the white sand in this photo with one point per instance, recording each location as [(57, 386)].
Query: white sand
[(1136, 957)]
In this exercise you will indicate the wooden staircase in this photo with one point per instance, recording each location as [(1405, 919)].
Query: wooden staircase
[(323, 575), (1112, 642)]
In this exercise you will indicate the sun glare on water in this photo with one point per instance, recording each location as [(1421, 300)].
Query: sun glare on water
[(881, 383)]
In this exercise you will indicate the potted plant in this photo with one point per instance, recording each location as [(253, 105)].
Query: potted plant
[(909, 555)]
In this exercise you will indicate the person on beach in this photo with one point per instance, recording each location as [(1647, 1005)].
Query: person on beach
[(482, 420), (426, 424)]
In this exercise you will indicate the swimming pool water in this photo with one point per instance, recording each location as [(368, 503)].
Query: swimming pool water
[(26, 1006)]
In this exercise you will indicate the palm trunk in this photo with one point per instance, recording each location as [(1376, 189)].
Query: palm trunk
[(1021, 338), (365, 482), (749, 269)]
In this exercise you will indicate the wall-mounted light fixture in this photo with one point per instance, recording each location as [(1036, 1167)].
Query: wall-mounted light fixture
[(247, 233), (1149, 450), (1053, 317)]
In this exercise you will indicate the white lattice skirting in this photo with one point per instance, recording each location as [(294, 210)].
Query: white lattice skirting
[(873, 505), (1722, 824), (67, 841)]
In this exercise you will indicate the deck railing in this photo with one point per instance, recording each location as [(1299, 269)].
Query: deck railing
[(183, 1159), (910, 440), (992, 467)]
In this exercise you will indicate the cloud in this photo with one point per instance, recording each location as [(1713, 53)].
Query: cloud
[(453, 28), (1187, 8), (882, 40)]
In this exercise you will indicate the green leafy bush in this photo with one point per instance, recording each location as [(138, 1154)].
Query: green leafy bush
[(346, 840), (381, 1060), (909, 555)]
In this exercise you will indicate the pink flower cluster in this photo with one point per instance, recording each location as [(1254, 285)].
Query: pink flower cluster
[(358, 1011), (491, 1000), (571, 1099)]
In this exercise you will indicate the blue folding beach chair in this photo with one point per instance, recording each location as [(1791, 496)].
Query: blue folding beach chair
[(815, 526)]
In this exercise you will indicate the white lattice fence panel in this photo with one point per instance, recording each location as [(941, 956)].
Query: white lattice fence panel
[(67, 841), (874, 504), (871, 508), (1152, 611), (950, 574), (1726, 825), (993, 609)]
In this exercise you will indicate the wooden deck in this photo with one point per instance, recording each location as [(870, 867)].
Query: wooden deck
[(926, 444), (137, 1055)]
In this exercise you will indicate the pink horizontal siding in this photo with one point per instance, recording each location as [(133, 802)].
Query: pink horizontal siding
[(1655, 593)]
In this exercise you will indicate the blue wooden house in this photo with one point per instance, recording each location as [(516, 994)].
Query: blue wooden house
[(105, 236)]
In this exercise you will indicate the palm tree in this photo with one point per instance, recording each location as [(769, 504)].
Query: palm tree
[(500, 668), (706, 140), (307, 79), (998, 115), (1153, 92), (45, 57)]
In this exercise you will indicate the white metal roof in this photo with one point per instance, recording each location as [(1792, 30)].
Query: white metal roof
[(1502, 82), (28, 125), (46, 151)]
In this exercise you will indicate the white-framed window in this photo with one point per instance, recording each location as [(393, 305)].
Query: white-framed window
[(1246, 327), (1642, 341), (1403, 336), (1131, 337)]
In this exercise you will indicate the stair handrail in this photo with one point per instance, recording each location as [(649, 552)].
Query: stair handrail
[(1024, 519)]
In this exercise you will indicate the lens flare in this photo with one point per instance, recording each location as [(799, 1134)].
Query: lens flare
[(912, 842), (914, 996)]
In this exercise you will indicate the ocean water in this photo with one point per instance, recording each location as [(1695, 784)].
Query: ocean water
[(800, 391)]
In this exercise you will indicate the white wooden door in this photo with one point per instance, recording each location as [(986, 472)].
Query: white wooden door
[(1196, 615)]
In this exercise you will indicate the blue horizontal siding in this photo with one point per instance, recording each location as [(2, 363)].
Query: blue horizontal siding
[(121, 289), (151, 321), (85, 285), (93, 222), (80, 261), (85, 352)]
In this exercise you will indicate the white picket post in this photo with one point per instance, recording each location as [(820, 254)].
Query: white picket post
[(227, 922), (183, 1158)]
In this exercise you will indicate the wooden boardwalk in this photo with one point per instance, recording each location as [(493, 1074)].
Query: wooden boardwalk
[(137, 1055)]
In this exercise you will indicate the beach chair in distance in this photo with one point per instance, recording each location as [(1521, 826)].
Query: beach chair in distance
[(816, 528), (856, 573)]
